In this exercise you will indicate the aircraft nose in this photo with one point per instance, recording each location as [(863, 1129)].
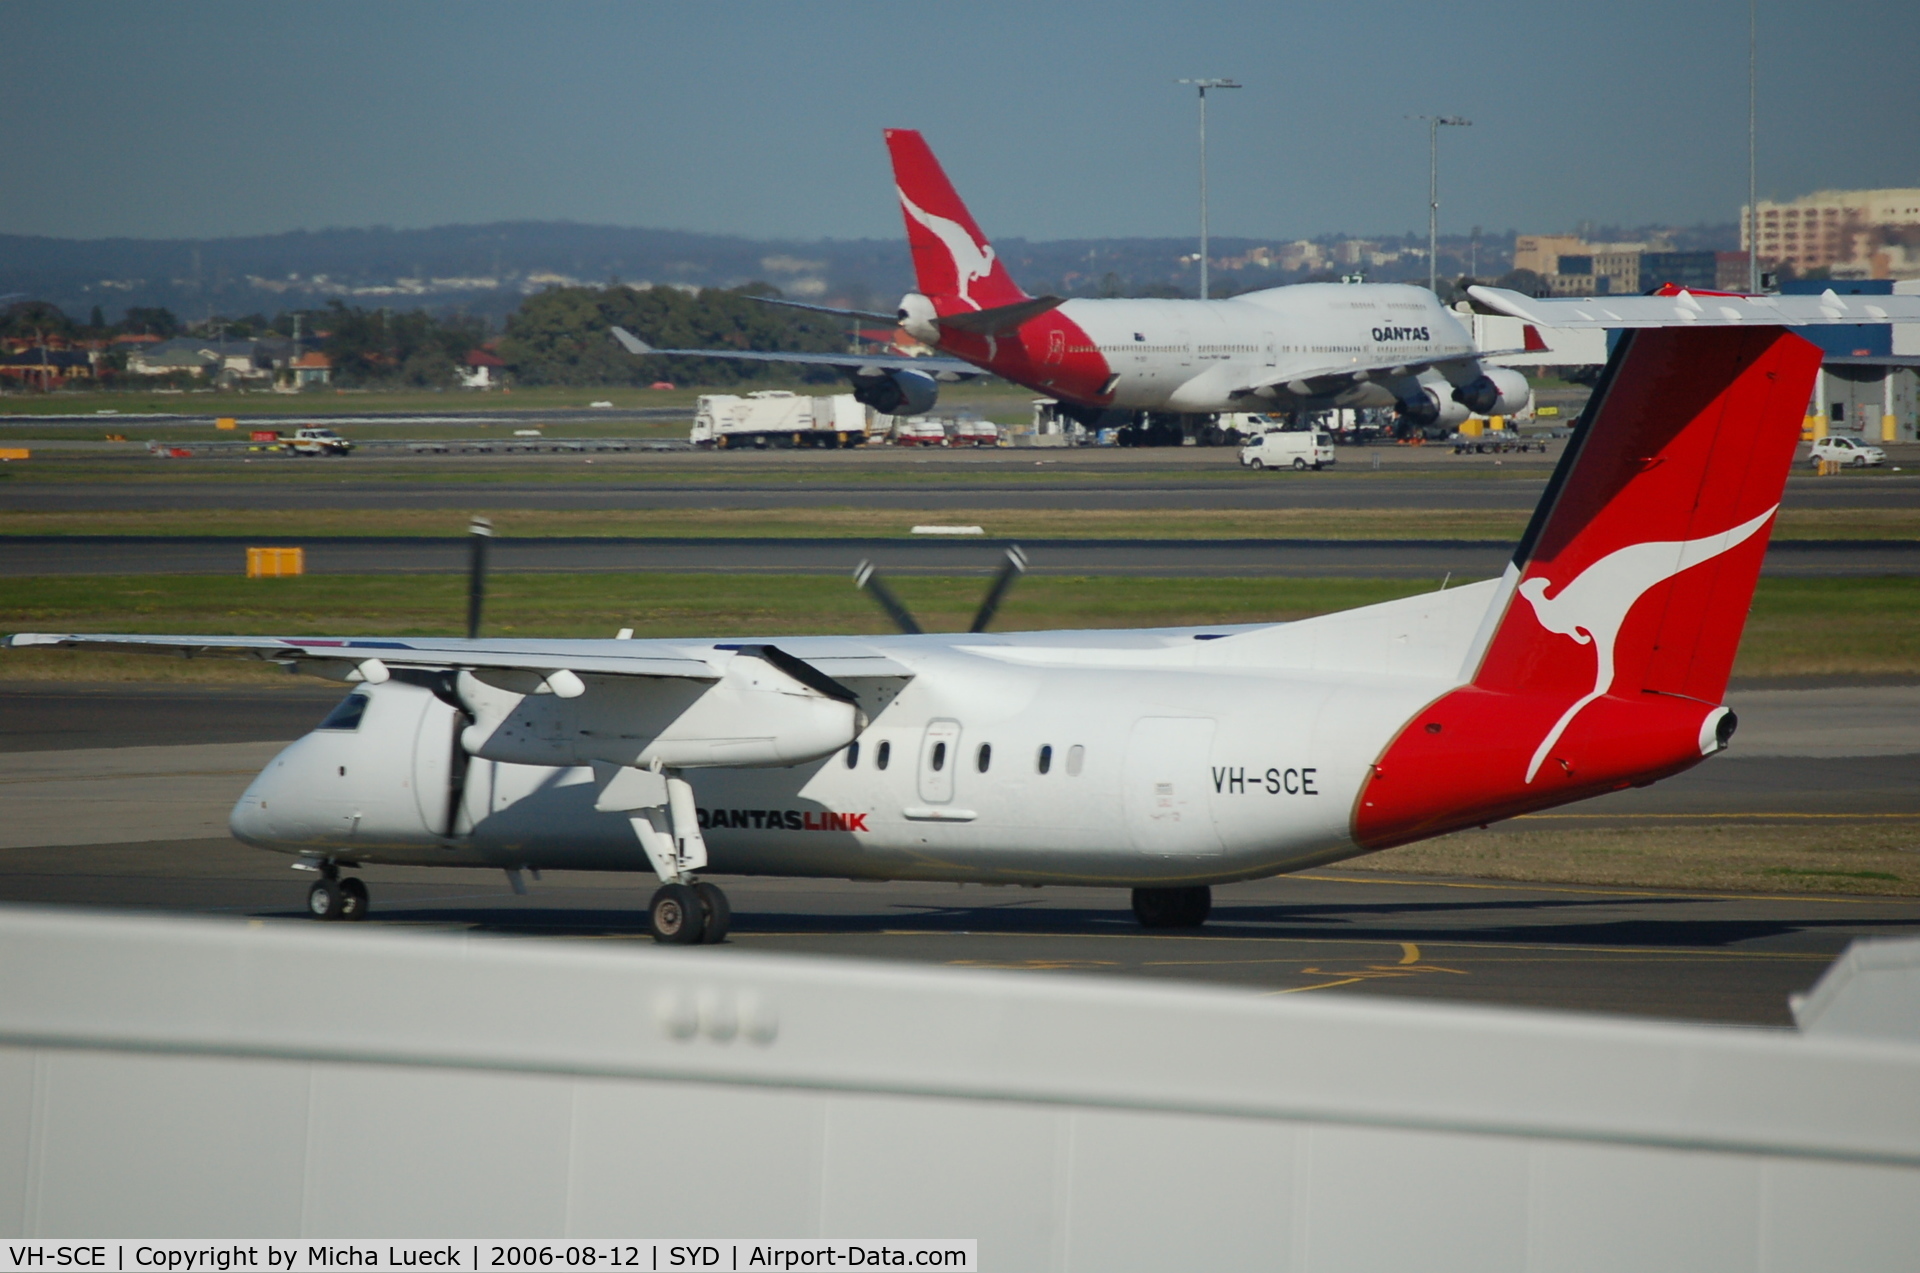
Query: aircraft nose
[(249, 822)]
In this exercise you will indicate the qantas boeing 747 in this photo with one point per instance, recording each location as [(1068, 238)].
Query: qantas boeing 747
[(1307, 347)]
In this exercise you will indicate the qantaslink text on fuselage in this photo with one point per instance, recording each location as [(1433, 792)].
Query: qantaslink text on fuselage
[(782, 819)]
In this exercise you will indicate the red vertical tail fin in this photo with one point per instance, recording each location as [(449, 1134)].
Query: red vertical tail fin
[(951, 258), (1610, 648)]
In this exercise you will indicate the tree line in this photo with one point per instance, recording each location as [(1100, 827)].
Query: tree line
[(560, 336)]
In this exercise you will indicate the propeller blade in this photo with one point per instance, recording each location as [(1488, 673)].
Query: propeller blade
[(1016, 565), (479, 531), (865, 576), (457, 764)]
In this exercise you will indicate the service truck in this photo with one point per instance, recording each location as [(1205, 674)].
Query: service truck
[(312, 440), (777, 418)]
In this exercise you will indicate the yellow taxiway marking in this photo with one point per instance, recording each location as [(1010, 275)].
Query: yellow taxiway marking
[(1372, 972), (1519, 886), (1409, 953)]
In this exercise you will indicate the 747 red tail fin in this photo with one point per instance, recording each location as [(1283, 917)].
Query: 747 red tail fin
[(951, 258)]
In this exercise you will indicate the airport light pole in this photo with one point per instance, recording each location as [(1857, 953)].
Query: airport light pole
[(1434, 123), (1203, 86), (1753, 206)]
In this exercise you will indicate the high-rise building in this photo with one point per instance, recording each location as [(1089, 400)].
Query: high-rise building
[(1863, 234)]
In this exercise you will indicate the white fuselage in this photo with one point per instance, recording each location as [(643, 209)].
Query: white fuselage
[(1203, 356), (1183, 756)]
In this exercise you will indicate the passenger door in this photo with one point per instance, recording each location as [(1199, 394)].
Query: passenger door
[(939, 757)]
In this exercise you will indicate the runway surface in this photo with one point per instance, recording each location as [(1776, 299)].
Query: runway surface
[(1142, 480), (26, 555), (116, 797)]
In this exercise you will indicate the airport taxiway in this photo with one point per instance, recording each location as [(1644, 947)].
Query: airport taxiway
[(29, 555), (116, 797)]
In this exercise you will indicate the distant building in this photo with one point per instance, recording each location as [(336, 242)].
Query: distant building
[(1571, 266), (481, 369), (311, 368), (1864, 234), (170, 357), (1869, 385), (1695, 271), (1730, 272), (1541, 252), (42, 367)]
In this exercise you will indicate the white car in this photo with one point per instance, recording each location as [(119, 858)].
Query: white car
[(1289, 449), (1855, 454)]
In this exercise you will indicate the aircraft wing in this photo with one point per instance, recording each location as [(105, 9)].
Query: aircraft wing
[(336, 657), (1333, 377), (646, 658), (1712, 309), (859, 364)]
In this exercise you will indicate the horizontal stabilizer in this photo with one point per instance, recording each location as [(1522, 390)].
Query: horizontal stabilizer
[(873, 316), (1001, 318)]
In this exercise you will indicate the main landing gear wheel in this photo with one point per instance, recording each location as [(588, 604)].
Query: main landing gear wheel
[(353, 898), (717, 911), (325, 900), (1172, 907), (689, 915)]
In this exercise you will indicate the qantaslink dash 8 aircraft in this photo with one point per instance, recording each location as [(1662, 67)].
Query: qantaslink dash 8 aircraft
[(1164, 761), (1308, 347)]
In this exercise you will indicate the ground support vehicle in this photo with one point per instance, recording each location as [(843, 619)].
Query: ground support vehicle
[(1846, 452), (775, 418), (1289, 449), (920, 431), (317, 440), (1502, 442)]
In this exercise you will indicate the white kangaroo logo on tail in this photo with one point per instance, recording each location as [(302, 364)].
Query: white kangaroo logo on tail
[(1592, 607), (971, 261)]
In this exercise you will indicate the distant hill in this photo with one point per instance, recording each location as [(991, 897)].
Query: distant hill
[(486, 269)]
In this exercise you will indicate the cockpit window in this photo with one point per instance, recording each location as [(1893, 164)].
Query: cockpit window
[(346, 714)]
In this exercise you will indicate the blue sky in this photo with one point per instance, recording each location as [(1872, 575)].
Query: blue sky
[(1055, 120)]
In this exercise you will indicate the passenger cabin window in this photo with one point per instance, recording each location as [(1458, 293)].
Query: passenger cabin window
[(985, 757), (346, 714), (882, 754), (853, 755), (1046, 759), (1076, 757), (939, 757)]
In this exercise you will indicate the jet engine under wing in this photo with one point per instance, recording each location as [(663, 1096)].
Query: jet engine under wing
[(1710, 309), (939, 368)]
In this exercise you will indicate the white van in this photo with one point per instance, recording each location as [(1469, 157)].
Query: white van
[(1292, 449)]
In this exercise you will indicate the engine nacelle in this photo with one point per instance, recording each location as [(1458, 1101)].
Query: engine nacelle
[(917, 318), (902, 391), (1428, 410), (1495, 391)]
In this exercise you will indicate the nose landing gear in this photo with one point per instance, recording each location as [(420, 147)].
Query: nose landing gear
[(332, 897)]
